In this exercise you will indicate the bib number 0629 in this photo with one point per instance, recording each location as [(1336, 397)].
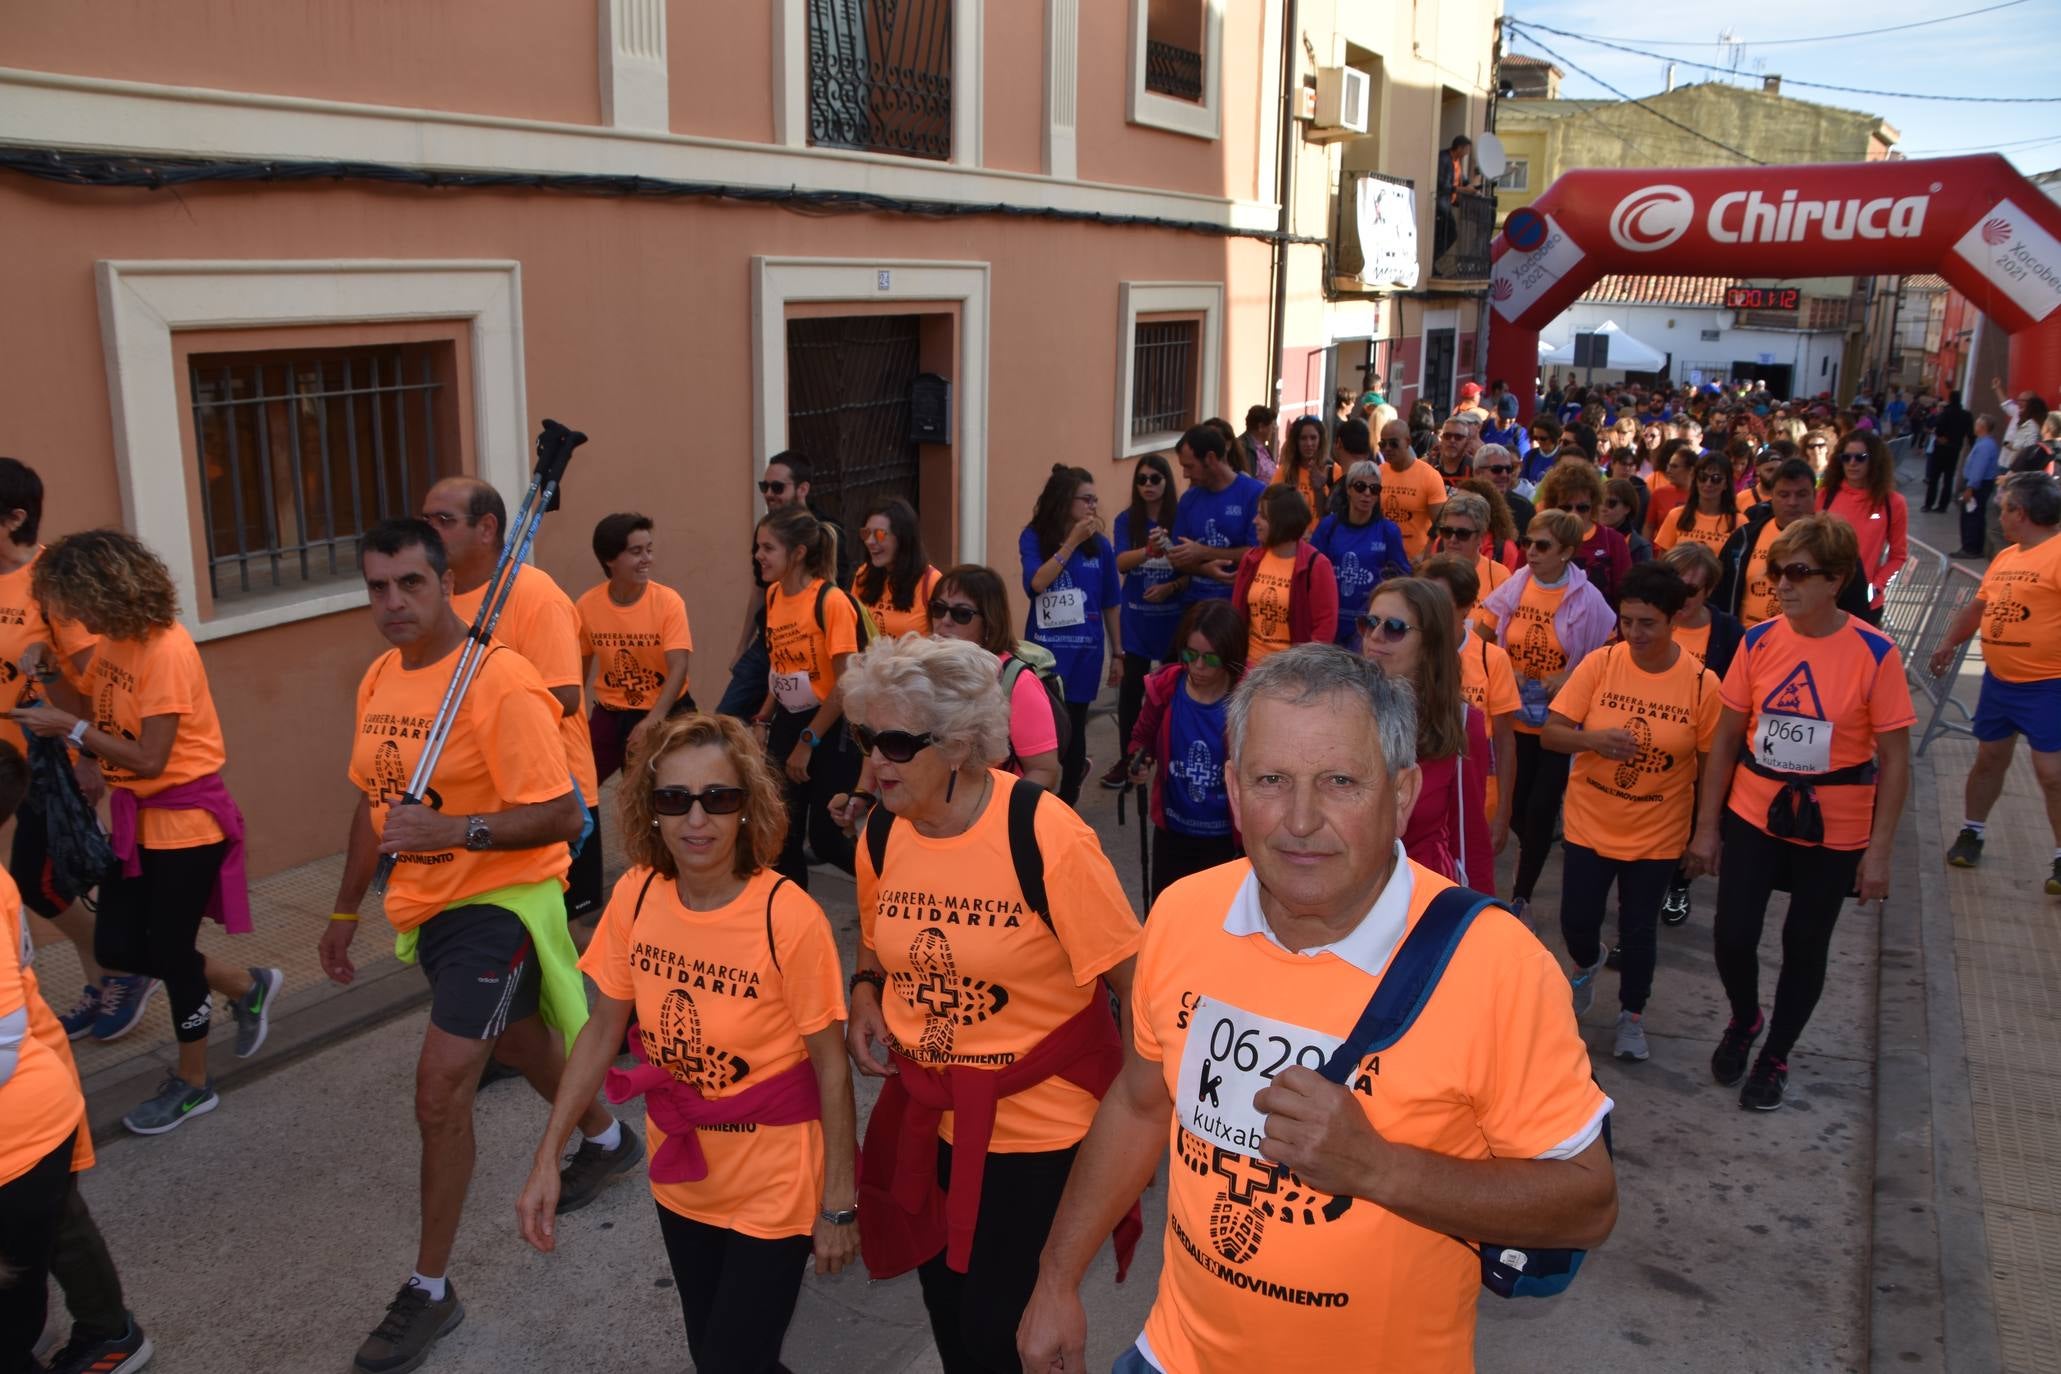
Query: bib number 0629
[(1252, 1051)]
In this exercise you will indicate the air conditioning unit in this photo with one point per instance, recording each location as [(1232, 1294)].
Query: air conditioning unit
[(1342, 97)]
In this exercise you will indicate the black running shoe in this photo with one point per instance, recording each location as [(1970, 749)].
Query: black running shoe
[(1614, 959), (1674, 908), (1729, 1062), (1966, 850), (89, 1355), (1763, 1090), (591, 1167), (414, 1322)]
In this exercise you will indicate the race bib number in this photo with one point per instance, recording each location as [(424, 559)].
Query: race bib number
[(1230, 1056), (1062, 608), (792, 691), (1794, 744)]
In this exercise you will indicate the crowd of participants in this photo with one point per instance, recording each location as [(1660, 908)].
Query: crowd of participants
[(1352, 661)]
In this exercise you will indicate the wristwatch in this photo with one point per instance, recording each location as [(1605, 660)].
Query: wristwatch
[(477, 835), (810, 737), (844, 1218)]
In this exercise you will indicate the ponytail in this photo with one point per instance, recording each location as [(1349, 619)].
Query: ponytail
[(796, 527)]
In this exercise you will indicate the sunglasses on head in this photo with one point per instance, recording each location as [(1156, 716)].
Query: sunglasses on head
[(1389, 628), (1191, 657), (1798, 573), (715, 801), (896, 746), (958, 615), (1499, 469), (1366, 488), (773, 488)]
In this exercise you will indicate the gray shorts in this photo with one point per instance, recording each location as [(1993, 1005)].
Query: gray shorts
[(482, 973)]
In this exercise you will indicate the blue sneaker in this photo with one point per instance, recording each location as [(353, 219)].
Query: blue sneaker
[(123, 999), (79, 1020), (168, 1109)]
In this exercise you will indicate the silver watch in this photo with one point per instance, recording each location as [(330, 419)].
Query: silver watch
[(477, 836)]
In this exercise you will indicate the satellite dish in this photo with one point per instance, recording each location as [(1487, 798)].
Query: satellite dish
[(1489, 156)]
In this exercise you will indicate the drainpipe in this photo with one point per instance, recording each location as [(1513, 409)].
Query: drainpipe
[(1286, 146)]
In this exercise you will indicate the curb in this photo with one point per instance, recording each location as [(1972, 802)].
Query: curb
[(1930, 1305)]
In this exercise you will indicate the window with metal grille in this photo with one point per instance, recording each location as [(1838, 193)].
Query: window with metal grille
[(1163, 362), (1173, 48), (302, 452), (880, 76)]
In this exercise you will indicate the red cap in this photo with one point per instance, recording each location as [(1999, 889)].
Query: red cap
[(1470, 389)]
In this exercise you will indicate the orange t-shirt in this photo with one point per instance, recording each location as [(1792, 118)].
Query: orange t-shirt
[(1711, 531), (1747, 499), (1487, 682), (503, 751), (540, 622), (632, 643), (1695, 640), (2021, 616), (1266, 606), (43, 1022), (22, 624), (803, 654), (1638, 809), (1759, 601), (915, 620), (131, 680), (974, 976), (723, 1000), (1493, 574), (1533, 644), (1263, 1271), (1408, 498), (1813, 706), (40, 1104)]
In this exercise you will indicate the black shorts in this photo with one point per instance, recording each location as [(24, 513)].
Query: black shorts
[(28, 863), (483, 976)]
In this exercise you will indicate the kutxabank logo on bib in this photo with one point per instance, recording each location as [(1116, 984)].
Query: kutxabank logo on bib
[(2016, 255)]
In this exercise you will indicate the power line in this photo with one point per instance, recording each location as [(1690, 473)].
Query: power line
[(1526, 27), (2021, 146), (1821, 38), (1661, 115)]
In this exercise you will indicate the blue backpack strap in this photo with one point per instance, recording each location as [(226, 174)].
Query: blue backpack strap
[(1411, 978)]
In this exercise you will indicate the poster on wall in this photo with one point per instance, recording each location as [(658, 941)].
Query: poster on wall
[(1388, 233)]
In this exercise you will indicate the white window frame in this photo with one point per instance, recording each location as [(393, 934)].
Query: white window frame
[(1135, 298), (791, 81), (1502, 184), (1204, 120), (142, 304), (777, 281)]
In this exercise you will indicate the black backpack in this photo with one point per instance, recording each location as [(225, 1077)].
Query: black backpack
[(771, 948), (1024, 855), (867, 630)]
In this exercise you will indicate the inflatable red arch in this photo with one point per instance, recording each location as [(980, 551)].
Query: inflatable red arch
[(1974, 220)]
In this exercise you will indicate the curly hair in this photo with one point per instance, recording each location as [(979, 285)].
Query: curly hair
[(764, 829), (107, 580), (1567, 479), (948, 685)]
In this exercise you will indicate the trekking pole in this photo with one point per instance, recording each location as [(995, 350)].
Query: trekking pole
[(555, 445)]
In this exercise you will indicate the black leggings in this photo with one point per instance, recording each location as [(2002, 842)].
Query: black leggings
[(1585, 879), (1073, 764), (737, 1292), (973, 1315), (833, 768), (87, 1274), (1130, 700), (148, 924), (1535, 808), (1751, 866), (31, 1207), (1176, 855)]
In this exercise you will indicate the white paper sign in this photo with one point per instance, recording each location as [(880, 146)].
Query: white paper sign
[(1521, 278), (1793, 744), (1232, 1054), (1062, 607), (1387, 218), (2017, 256)]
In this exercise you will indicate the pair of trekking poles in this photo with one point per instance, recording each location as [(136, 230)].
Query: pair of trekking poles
[(555, 445)]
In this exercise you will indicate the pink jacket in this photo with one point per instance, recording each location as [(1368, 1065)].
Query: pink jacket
[(1881, 531), (1450, 821), (230, 902), (1312, 594), (678, 1108)]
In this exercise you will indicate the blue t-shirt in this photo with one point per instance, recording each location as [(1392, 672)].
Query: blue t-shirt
[(1147, 626), (1221, 519), (1361, 555), (1195, 801), (1514, 437), (1067, 616)]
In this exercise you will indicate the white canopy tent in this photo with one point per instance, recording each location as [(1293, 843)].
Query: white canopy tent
[(1627, 354)]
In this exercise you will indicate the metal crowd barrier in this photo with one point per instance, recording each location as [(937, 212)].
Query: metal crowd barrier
[(1921, 602)]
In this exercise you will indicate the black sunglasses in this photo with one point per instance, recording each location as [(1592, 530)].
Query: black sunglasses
[(1391, 628), (1149, 479), (1456, 532), (896, 746), (1860, 457), (1500, 469), (715, 801), (1542, 545), (1366, 488), (1578, 507), (772, 488), (1798, 573), (958, 615)]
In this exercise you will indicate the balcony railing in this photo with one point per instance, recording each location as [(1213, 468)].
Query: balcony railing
[(1358, 266), (880, 76), (1463, 228), (1173, 71)]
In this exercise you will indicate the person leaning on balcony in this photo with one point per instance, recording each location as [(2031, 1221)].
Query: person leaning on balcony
[(1452, 180)]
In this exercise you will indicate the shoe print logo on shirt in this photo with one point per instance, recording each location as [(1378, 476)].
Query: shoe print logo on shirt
[(1200, 775), (934, 986), (2004, 612), (678, 1045), (637, 683), (1354, 577), (1252, 1192), (1534, 654), (1647, 760)]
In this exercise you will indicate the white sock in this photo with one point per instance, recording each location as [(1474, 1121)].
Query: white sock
[(1977, 826), (433, 1286), (609, 1138)]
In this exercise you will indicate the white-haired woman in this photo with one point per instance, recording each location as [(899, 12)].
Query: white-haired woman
[(989, 919)]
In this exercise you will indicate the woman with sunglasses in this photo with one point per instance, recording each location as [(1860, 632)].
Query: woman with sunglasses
[(1152, 588), (1636, 720), (1466, 529), (1003, 1009), (1286, 590), (812, 631), (1818, 716), (1652, 434), (1069, 573), (896, 581), (1673, 476), (972, 604), (1408, 630), (1304, 465), (1861, 490), (1498, 479), (1548, 618), (1711, 513), (1817, 447), (1621, 498), (1179, 746), (747, 1091), (1362, 545), (1575, 487)]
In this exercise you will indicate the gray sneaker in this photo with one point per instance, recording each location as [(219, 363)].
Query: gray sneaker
[(1584, 981), (253, 1010), (591, 1167), (413, 1323), (1631, 1037), (175, 1102)]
